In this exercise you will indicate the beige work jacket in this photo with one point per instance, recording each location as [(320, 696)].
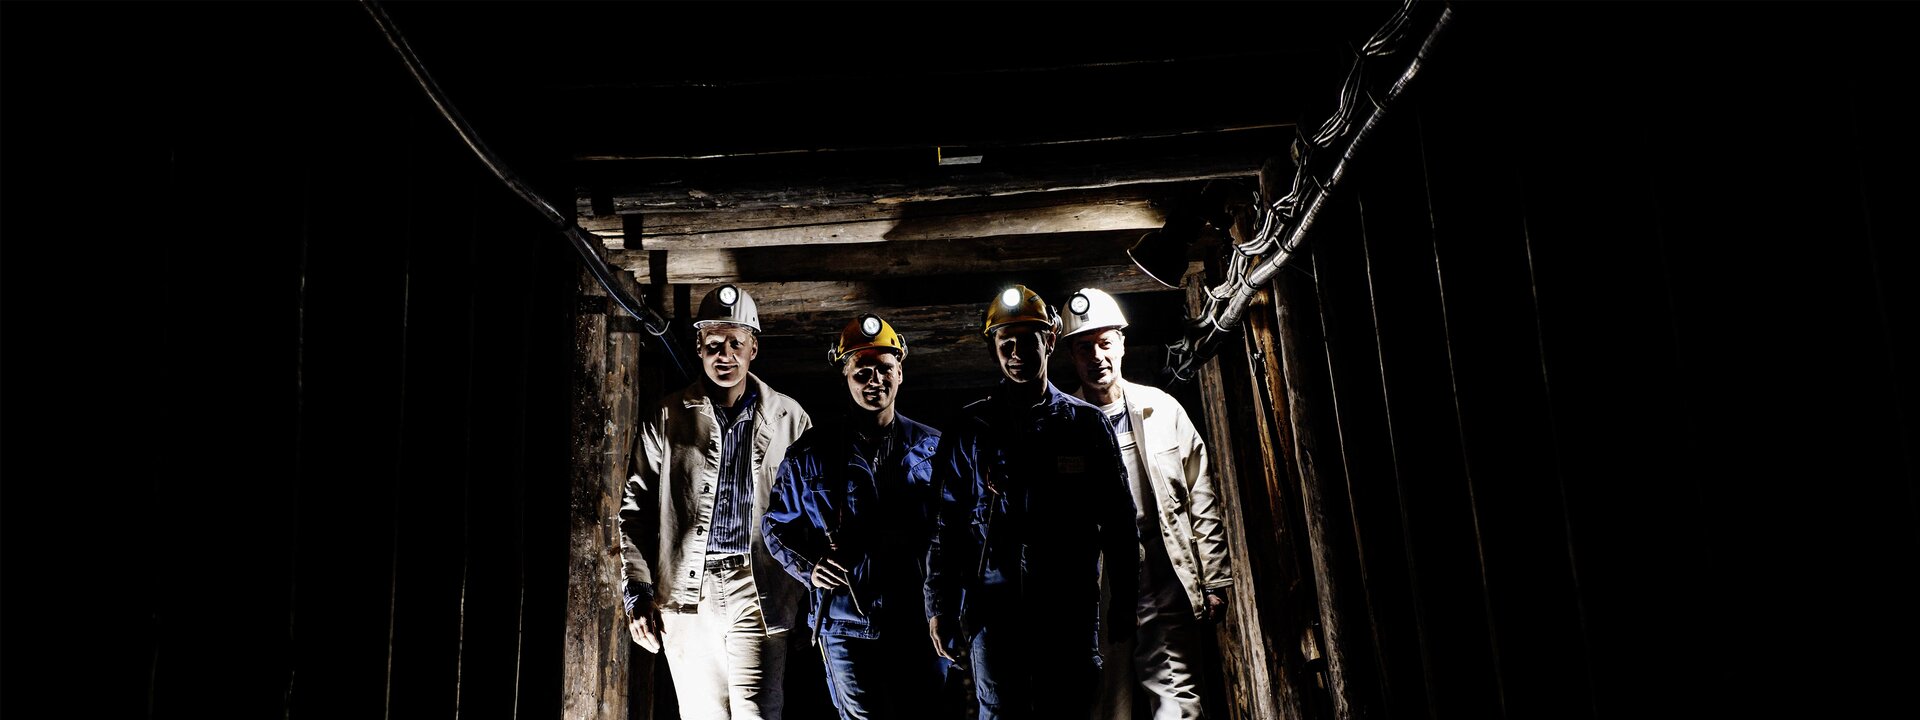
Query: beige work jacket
[(666, 509), (1175, 459)]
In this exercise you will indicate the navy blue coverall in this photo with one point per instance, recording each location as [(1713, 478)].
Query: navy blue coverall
[(1042, 484), (873, 641)]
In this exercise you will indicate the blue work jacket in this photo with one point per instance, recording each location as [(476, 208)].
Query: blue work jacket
[(1043, 487), (880, 520)]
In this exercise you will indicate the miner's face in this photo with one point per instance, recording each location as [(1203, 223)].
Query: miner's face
[(726, 352), (1097, 356), (873, 378), (1023, 349)]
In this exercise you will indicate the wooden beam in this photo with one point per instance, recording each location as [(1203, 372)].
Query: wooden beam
[(604, 409), (1127, 207), (930, 321), (911, 175), (992, 256), (763, 195), (1134, 215)]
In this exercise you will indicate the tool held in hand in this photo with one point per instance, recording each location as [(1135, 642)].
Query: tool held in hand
[(965, 640), (825, 594)]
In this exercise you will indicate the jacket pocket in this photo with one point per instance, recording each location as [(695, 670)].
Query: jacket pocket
[(1168, 464)]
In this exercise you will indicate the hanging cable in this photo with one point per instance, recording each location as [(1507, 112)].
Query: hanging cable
[(651, 322), (1292, 215)]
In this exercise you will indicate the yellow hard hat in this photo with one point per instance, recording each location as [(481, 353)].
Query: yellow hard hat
[(867, 331), (1017, 304)]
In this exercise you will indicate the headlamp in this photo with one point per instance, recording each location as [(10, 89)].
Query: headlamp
[(1010, 297), (870, 325), (729, 295), (1079, 304)]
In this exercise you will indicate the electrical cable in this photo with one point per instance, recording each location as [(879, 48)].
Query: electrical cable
[(1293, 214), (652, 323)]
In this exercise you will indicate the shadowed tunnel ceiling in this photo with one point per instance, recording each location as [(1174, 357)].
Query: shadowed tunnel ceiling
[(848, 158)]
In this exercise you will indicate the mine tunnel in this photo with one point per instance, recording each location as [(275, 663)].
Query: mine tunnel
[(1570, 373)]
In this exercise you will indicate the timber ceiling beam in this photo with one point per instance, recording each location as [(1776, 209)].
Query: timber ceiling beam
[(1101, 253), (917, 174), (1133, 207)]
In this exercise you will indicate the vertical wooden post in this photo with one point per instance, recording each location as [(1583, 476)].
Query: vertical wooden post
[(1294, 611), (596, 653), (628, 385), (631, 386), (1261, 682), (1300, 370)]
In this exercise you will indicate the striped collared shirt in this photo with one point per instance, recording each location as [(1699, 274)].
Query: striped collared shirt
[(733, 498)]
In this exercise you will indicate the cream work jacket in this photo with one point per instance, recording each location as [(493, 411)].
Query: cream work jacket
[(1175, 460), (666, 509)]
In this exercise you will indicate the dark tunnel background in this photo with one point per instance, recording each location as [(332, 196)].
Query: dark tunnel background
[(1613, 329)]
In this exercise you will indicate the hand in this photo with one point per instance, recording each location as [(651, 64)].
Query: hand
[(829, 574), (1217, 601), (644, 625), (943, 631)]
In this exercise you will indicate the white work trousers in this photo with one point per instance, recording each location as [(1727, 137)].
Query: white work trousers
[(1166, 646), (724, 664), (1164, 656)]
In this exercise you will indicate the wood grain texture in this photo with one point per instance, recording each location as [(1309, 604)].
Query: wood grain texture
[(595, 654)]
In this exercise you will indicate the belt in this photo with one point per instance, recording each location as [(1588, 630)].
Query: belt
[(727, 562)]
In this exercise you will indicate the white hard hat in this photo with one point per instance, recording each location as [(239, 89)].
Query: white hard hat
[(1090, 309), (728, 304)]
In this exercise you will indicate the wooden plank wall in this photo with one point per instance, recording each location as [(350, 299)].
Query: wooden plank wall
[(337, 485), (1263, 672), (1597, 408)]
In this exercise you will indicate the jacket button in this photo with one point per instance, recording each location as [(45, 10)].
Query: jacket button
[(690, 573)]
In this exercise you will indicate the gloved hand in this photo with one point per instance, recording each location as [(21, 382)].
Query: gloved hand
[(1217, 602)]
